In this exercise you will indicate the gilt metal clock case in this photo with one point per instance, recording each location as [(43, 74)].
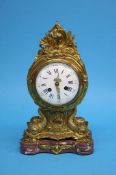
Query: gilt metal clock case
[(56, 129)]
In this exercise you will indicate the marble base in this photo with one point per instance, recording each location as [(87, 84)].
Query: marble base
[(56, 147)]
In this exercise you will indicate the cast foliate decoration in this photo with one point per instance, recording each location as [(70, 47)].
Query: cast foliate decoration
[(58, 42)]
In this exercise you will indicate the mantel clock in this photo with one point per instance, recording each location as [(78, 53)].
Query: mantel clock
[(57, 81)]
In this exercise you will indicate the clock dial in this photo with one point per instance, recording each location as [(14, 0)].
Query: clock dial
[(57, 83)]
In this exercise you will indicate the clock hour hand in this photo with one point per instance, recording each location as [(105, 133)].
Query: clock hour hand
[(57, 79)]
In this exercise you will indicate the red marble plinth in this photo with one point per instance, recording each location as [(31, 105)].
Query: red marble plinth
[(56, 147)]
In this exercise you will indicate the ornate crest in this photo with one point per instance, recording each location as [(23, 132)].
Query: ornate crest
[(57, 37), (58, 42)]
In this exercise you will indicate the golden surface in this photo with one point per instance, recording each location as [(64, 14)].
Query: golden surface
[(56, 148), (57, 122)]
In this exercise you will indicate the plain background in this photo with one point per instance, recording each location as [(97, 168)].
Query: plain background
[(22, 24)]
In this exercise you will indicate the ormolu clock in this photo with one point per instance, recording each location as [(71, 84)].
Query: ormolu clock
[(57, 81)]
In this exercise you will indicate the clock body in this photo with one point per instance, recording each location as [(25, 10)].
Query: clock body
[(57, 81)]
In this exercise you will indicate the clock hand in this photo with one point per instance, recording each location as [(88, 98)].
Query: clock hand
[(57, 82), (58, 92), (58, 76), (57, 79)]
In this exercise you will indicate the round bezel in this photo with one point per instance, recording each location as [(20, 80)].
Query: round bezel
[(76, 65)]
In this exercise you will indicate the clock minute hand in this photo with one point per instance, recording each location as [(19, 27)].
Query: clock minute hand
[(57, 81), (58, 92)]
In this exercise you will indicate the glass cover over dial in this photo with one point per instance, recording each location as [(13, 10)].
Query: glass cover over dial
[(57, 83)]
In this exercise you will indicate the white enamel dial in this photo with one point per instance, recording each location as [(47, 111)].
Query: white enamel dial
[(57, 83)]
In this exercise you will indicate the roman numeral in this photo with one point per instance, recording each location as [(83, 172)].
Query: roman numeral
[(65, 94), (69, 89), (51, 95), (43, 84), (45, 91), (58, 98), (70, 82), (56, 70), (68, 76), (44, 78), (62, 71), (49, 72)]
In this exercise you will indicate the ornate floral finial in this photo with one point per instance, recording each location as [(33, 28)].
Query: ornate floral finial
[(57, 43), (57, 37)]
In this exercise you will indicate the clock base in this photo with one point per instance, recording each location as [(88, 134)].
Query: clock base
[(56, 147), (57, 132)]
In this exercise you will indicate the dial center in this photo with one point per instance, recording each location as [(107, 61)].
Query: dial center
[(56, 83)]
